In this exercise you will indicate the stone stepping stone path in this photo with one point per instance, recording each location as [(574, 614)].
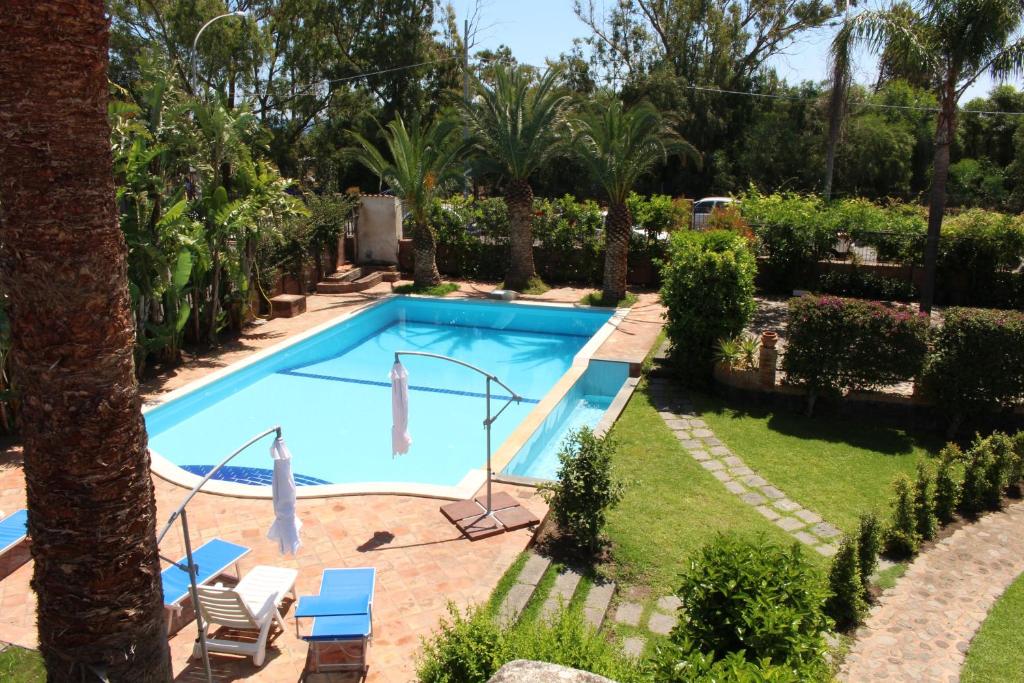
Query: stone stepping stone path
[(739, 479), (660, 621), (922, 627), (595, 607), (561, 593), (522, 591)]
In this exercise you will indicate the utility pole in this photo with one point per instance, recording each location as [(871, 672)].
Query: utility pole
[(465, 96)]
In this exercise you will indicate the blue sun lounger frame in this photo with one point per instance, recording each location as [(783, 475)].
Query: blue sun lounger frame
[(342, 616), (13, 530), (211, 559)]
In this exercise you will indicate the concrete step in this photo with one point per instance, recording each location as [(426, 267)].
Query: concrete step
[(595, 608), (561, 592), (343, 286), (522, 591)]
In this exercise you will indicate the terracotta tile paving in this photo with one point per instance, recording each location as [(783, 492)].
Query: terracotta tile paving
[(422, 561)]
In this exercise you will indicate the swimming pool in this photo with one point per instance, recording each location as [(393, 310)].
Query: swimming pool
[(329, 391)]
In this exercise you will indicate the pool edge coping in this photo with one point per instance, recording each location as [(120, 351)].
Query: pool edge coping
[(467, 487)]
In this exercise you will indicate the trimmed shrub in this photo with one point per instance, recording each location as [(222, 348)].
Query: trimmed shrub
[(1001, 467), (471, 647), (977, 362), (862, 284), (708, 288), (1017, 473), (758, 598), (978, 467), (846, 605), (924, 503), (674, 663), (947, 488), (585, 489), (869, 544), (466, 648), (902, 538), (834, 344)]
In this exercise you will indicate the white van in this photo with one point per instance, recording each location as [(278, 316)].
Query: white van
[(702, 209)]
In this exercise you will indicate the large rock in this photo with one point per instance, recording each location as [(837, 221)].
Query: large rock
[(525, 671)]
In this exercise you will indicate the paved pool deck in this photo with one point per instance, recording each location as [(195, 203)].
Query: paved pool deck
[(422, 561)]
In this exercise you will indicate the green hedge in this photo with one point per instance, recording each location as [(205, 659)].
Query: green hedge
[(978, 249), (838, 344), (472, 235), (708, 288), (977, 361)]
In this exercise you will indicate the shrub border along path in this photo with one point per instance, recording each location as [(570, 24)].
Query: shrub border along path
[(921, 629), (701, 443)]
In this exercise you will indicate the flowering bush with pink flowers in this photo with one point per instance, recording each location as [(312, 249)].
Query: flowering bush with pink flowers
[(837, 344)]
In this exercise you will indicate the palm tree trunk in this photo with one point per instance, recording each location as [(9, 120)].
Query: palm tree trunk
[(63, 264), (617, 225), (424, 246), (521, 270), (944, 133)]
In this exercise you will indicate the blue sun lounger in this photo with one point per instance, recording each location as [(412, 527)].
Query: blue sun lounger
[(211, 559), (342, 618), (13, 530)]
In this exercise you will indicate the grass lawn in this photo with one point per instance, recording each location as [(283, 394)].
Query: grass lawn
[(18, 665), (672, 505), (835, 467), (443, 289), (997, 651), (597, 299)]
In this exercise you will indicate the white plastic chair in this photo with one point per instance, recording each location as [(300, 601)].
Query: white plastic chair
[(252, 605)]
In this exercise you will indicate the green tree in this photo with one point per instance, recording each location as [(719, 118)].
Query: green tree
[(422, 163), (517, 125), (617, 146), (955, 41)]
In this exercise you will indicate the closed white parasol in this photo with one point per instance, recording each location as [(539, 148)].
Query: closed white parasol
[(285, 529), (400, 439)]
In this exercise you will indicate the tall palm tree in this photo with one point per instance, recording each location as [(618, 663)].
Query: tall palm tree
[(619, 145), (423, 162), (517, 126), (956, 41), (91, 509)]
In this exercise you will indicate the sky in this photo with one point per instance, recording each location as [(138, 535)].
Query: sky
[(535, 29)]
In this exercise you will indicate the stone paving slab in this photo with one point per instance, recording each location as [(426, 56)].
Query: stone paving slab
[(534, 569), (514, 603), (669, 603), (561, 592), (923, 626), (629, 613), (633, 646), (596, 605), (662, 624)]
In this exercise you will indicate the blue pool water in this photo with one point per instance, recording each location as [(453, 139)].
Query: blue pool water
[(331, 394), (583, 406)]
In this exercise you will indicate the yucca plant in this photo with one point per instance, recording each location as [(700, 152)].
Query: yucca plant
[(516, 126), (728, 353), (420, 164), (618, 145)]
